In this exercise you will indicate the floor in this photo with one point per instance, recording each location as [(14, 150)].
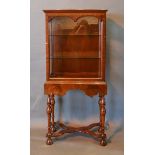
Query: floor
[(77, 144)]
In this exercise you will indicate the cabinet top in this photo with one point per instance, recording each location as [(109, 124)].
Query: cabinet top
[(75, 11)]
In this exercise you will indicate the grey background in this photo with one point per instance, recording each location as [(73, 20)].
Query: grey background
[(75, 106)]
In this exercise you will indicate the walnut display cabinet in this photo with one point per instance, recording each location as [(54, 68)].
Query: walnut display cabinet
[(75, 59)]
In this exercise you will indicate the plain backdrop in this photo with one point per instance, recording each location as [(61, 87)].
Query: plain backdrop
[(75, 105)]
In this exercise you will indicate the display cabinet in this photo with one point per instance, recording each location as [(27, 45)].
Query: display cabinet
[(75, 59)]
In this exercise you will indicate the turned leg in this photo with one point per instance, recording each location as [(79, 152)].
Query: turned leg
[(102, 120), (52, 108), (49, 110)]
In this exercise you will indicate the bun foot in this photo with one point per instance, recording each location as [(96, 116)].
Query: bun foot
[(103, 142), (49, 141)]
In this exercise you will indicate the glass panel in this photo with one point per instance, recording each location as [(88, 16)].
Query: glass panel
[(73, 67), (66, 26), (74, 47)]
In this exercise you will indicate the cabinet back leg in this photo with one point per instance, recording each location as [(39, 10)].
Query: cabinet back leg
[(49, 110)]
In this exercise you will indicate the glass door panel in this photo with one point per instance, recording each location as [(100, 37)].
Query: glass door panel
[(74, 47)]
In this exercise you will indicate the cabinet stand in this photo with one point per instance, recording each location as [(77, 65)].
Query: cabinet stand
[(56, 129)]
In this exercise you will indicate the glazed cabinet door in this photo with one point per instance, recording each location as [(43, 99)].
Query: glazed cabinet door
[(74, 47)]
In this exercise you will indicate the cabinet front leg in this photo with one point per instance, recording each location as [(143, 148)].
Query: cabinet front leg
[(52, 108), (102, 120), (49, 110)]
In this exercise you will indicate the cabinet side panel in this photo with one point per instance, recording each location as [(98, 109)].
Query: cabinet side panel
[(103, 46), (47, 48)]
